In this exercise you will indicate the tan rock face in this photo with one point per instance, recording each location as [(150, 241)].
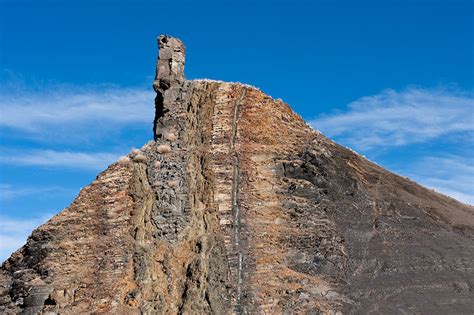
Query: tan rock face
[(239, 207)]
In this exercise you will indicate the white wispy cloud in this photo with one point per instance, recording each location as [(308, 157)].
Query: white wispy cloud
[(57, 159), (393, 118), (69, 112), (452, 175), (10, 192), (15, 231)]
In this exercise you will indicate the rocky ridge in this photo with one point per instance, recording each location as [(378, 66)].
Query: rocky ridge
[(238, 206)]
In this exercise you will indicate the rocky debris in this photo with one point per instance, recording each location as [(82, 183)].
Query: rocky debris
[(238, 206)]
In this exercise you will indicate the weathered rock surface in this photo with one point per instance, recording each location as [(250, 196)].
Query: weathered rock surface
[(239, 207)]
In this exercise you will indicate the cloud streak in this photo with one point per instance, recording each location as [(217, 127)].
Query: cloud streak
[(15, 231), (10, 192), (57, 159), (451, 174), (393, 118), (68, 112)]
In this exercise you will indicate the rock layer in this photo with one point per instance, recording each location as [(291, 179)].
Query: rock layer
[(238, 206)]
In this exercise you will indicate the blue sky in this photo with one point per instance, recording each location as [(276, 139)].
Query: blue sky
[(393, 80)]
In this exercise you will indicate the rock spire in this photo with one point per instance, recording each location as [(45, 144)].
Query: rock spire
[(169, 78), (170, 66)]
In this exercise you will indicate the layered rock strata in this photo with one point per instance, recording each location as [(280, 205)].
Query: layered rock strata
[(237, 206)]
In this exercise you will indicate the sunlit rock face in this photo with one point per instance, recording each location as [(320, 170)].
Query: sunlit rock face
[(237, 206)]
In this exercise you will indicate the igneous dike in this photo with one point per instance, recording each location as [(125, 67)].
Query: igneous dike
[(239, 207)]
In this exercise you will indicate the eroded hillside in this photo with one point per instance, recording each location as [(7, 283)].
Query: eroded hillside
[(239, 207)]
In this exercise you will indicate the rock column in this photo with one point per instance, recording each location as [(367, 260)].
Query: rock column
[(169, 78)]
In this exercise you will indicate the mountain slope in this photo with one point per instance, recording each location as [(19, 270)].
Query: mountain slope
[(239, 207)]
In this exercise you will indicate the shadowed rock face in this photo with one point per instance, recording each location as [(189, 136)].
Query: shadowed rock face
[(239, 207)]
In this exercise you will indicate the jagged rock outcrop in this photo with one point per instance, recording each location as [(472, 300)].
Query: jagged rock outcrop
[(239, 207)]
